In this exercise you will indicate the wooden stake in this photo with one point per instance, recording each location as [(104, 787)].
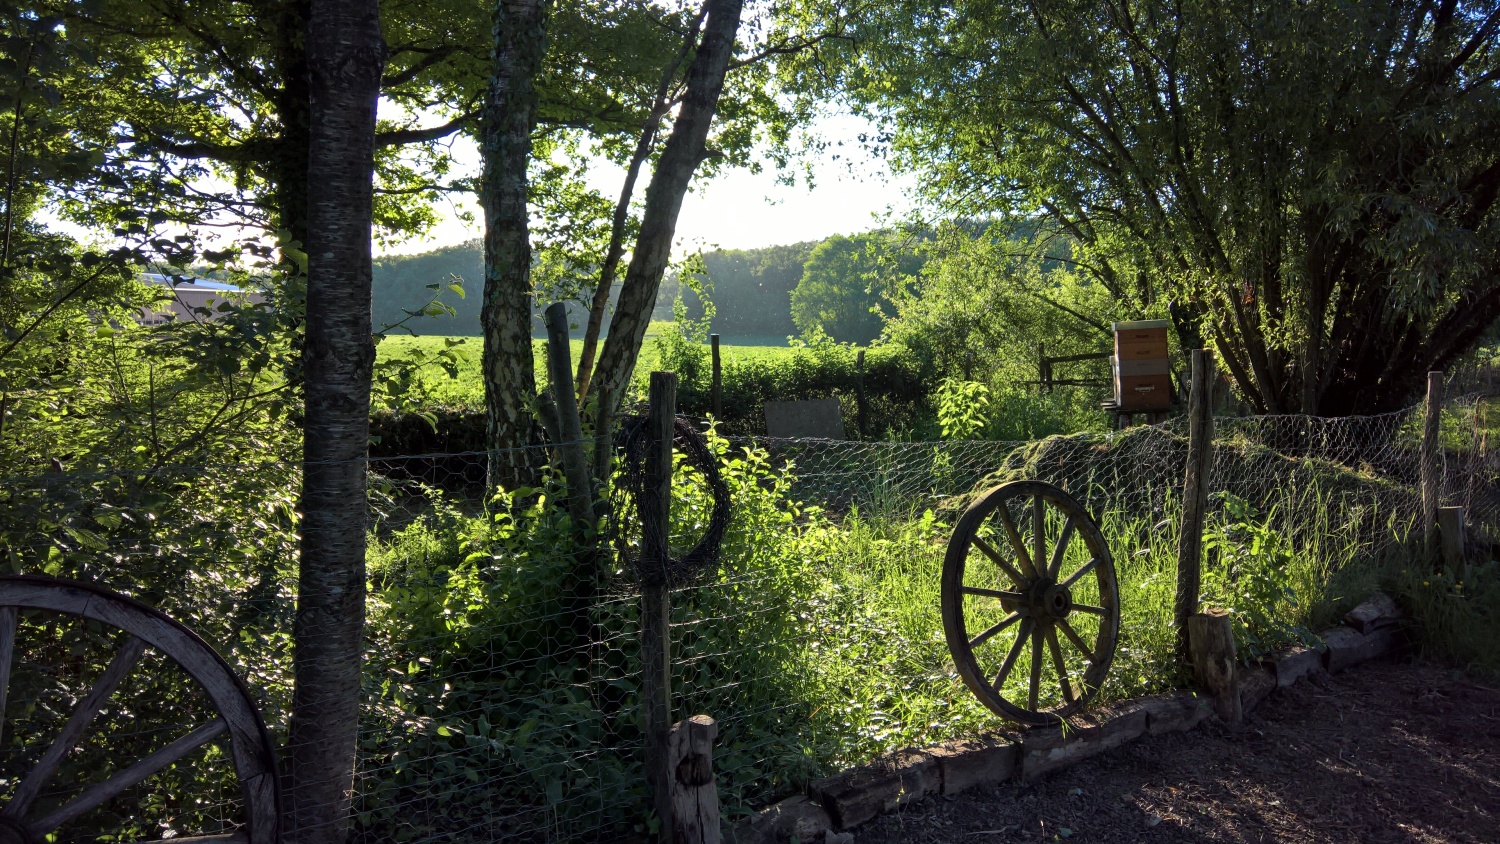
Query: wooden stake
[(1200, 460), (695, 797), (1450, 522), (859, 393), (1043, 384), (1211, 639), (1431, 460), (570, 445), (656, 607), (718, 386)]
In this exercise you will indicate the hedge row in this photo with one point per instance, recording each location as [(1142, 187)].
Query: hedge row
[(897, 389)]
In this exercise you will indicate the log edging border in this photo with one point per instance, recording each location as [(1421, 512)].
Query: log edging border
[(894, 780)]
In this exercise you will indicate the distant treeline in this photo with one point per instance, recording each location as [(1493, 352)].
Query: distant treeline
[(751, 288)]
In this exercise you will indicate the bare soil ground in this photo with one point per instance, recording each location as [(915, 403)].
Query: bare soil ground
[(1387, 752)]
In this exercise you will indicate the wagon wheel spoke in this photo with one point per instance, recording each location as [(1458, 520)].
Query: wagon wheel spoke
[(1014, 535), (101, 793), (1010, 571), (1082, 570), (7, 652), (988, 634), (994, 593), (124, 660), (1036, 668), (1038, 532), (1077, 640), (1015, 653), (1054, 568), (1090, 608), (1062, 669)]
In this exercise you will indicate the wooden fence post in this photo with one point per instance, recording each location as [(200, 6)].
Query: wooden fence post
[(695, 797), (567, 432), (1200, 460), (1211, 636), (1450, 523), (656, 607), (718, 388), (570, 426), (859, 393), (1042, 379), (1431, 460)]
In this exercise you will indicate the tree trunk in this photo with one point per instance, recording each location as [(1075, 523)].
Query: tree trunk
[(659, 107), (507, 121), (680, 157), (345, 60)]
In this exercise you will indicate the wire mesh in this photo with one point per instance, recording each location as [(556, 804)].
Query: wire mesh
[(497, 708)]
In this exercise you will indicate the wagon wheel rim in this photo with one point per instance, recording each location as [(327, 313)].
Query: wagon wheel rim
[(1031, 616), (138, 627)]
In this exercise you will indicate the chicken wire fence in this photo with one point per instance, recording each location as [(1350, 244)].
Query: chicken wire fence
[(502, 700)]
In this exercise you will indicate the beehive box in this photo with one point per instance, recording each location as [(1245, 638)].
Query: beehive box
[(1142, 373)]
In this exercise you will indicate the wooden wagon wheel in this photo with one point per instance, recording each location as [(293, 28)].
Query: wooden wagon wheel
[(1031, 614), (135, 628)]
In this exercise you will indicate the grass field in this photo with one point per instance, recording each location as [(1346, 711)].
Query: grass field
[(435, 386)]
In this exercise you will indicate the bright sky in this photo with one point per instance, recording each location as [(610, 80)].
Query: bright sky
[(851, 191)]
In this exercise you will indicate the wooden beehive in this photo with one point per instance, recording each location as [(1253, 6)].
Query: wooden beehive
[(1143, 379)]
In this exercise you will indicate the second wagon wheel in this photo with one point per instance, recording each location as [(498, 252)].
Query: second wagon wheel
[(122, 724), (1031, 607)]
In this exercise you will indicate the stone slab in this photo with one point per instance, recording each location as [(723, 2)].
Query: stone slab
[(1046, 749), (793, 819), (1174, 712), (1297, 664), (1256, 684), (816, 418), (969, 763), (1348, 647), (882, 786), (1379, 611)]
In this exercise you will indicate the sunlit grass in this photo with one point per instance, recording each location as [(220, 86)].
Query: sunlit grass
[(437, 387)]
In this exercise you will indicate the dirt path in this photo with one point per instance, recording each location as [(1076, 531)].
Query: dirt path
[(1389, 752)]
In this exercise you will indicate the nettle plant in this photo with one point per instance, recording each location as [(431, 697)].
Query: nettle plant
[(963, 409), (1256, 580)]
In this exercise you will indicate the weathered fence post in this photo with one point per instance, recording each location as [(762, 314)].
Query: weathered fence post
[(1212, 641), (1450, 523), (566, 428), (570, 426), (718, 388), (695, 798), (859, 393), (1200, 459), (1043, 384), (1432, 466), (656, 608)]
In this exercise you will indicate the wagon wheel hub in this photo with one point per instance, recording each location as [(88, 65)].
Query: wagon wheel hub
[(1051, 600)]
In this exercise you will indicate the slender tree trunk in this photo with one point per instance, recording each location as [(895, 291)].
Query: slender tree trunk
[(505, 317), (616, 251), (287, 170), (680, 157), (345, 61)]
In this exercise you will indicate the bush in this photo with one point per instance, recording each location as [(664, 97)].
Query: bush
[(897, 386)]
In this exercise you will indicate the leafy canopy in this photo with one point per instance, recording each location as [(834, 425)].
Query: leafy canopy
[(1314, 183)]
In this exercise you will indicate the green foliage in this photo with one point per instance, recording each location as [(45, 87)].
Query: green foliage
[(979, 311), (1255, 574), (1337, 180), (963, 409), (843, 285), (1457, 623), (753, 289)]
